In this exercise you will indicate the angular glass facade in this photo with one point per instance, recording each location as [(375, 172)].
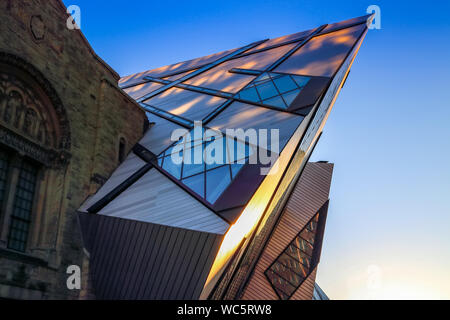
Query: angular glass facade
[(280, 90)]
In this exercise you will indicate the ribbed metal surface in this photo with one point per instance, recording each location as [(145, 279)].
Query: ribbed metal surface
[(308, 196), (144, 261), (154, 198), (131, 165)]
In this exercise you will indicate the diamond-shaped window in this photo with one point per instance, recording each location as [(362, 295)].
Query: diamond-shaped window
[(274, 89)]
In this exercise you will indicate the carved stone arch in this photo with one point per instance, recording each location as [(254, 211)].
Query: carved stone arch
[(32, 116)]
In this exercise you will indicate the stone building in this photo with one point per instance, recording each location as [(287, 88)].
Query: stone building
[(64, 127)]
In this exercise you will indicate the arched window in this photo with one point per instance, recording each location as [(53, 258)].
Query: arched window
[(122, 149), (34, 140)]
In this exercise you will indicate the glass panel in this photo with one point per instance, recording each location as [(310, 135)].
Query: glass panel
[(267, 90), (239, 150), (287, 274), (293, 264), (216, 182), (302, 257), (290, 96), (196, 184), (308, 236), (301, 81), (22, 208), (193, 161), (322, 55), (249, 94), (285, 84), (304, 245), (218, 152), (235, 169), (172, 168), (283, 287), (192, 169), (277, 102), (262, 78)]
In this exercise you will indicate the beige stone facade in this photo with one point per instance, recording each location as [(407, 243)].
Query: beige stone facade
[(63, 121)]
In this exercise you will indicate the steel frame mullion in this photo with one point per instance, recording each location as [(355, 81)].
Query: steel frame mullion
[(201, 70)]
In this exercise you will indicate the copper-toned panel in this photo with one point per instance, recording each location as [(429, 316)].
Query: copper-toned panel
[(141, 90), (173, 68), (308, 196), (283, 39), (219, 78), (187, 104), (323, 55)]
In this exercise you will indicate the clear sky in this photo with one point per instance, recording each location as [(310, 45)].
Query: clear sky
[(388, 230)]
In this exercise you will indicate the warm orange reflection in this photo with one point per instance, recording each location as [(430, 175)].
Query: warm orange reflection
[(220, 79), (251, 215), (141, 90), (178, 67), (323, 55), (185, 103)]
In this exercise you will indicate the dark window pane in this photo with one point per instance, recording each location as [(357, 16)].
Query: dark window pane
[(22, 208), (235, 169), (4, 166)]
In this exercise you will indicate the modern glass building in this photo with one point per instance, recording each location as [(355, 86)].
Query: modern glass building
[(218, 200)]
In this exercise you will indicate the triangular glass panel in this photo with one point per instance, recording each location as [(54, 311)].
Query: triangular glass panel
[(171, 167), (277, 102), (290, 96), (301, 80), (285, 84), (267, 90), (249, 94), (235, 169), (217, 181), (196, 184)]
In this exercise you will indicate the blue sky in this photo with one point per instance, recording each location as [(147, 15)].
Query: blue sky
[(389, 135)]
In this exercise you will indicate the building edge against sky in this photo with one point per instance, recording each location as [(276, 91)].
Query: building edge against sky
[(311, 67)]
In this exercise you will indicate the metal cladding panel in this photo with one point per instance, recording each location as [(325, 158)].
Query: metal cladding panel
[(187, 104), (156, 199), (244, 116), (158, 138), (219, 77), (144, 261), (141, 90), (131, 164), (323, 55), (307, 198), (174, 68)]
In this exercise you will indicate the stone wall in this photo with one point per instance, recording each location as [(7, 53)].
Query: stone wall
[(98, 115)]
